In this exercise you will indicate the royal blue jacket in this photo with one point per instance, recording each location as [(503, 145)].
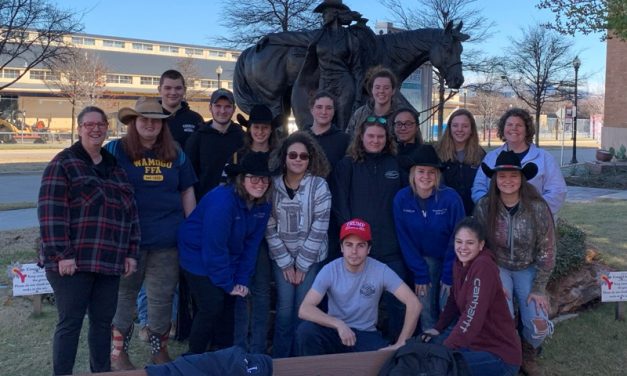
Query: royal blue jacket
[(221, 237), (429, 232)]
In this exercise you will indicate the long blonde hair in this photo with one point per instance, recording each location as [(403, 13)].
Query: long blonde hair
[(473, 153)]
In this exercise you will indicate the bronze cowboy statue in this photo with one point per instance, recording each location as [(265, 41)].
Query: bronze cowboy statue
[(284, 69)]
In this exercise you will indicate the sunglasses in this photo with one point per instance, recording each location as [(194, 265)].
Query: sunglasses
[(377, 120), (257, 179), (294, 155)]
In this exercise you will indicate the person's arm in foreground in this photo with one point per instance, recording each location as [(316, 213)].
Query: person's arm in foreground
[(412, 311)]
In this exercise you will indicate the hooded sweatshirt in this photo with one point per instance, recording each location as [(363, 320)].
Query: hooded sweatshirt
[(209, 149), (485, 323), (183, 123)]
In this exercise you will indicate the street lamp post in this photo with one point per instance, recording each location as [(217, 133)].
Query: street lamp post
[(464, 98), (576, 65), (219, 73)]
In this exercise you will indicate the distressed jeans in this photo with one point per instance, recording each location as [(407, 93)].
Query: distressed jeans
[(91, 293), (158, 270), (518, 285)]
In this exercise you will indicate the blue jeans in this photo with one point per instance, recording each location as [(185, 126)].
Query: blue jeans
[(254, 311), (314, 339), (289, 298), (482, 363), (91, 293), (519, 282), (435, 300), (142, 306)]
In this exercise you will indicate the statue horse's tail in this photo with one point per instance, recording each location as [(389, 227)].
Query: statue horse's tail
[(245, 97)]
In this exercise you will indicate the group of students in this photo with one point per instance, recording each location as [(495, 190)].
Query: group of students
[(239, 206)]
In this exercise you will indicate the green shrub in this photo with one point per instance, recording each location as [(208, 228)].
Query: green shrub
[(571, 250)]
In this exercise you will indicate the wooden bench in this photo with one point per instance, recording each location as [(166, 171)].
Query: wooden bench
[(352, 364)]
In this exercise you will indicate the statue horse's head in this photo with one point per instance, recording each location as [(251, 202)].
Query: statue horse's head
[(446, 55)]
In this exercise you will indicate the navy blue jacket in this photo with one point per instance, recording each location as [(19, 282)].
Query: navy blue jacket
[(428, 233), (460, 176)]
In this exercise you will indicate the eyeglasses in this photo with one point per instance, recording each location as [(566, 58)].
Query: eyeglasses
[(377, 120), (293, 155), (404, 124), (258, 179), (92, 125)]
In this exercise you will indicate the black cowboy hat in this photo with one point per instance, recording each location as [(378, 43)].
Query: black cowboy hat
[(260, 114), (509, 161), (424, 155), (330, 4), (253, 163)]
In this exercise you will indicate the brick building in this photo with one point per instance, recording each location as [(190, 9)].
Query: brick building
[(614, 132)]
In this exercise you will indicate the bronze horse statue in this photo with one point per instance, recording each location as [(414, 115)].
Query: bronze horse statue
[(267, 73)]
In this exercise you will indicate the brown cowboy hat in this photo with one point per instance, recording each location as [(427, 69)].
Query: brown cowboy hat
[(144, 107)]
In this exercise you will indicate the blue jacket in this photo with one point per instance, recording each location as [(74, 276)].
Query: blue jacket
[(549, 181), (221, 237), (428, 233)]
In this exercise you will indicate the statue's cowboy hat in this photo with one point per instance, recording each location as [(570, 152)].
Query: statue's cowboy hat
[(509, 161), (144, 107), (330, 4), (253, 163), (425, 155), (260, 114)]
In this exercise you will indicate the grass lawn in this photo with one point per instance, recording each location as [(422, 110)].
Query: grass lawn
[(591, 344)]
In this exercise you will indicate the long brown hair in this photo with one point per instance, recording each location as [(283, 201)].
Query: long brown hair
[(165, 147), (356, 149), (473, 153), (527, 193)]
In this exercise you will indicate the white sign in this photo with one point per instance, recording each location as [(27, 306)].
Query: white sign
[(30, 279), (614, 287)]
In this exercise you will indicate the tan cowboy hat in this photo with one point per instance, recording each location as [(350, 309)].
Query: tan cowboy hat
[(144, 107)]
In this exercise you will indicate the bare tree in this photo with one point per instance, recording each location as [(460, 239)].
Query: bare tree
[(250, 20), (538, 68), (188, 67), (31, 34), (80, 78), (587, 16), (437, 14)]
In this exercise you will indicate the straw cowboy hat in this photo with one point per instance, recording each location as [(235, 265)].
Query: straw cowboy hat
[(509, 161), (144, 107)]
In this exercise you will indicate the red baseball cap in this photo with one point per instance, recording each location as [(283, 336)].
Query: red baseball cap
[(357, 227)]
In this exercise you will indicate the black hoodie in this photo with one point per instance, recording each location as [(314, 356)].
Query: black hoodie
[(183, 123), (209, 150)]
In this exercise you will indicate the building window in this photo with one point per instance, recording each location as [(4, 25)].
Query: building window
[(234, 55), (153, 81), (170, 49), (36, 74), (119, 79), (142, 46), (193, 51), (16, 35), (112, 43), (10, 73), (84, 41), (217, 53), (209, 84), (229, 84)]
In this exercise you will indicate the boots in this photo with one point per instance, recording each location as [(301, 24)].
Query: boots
[(159, 347), (119, 350), (530, 365)]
